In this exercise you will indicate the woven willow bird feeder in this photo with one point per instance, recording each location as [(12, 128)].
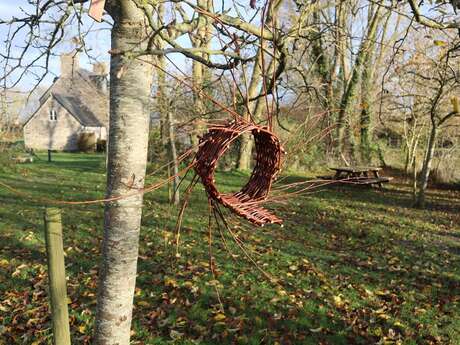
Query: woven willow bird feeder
[(247, 202)]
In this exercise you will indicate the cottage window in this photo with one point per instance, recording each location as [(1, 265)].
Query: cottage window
[(53, 115)]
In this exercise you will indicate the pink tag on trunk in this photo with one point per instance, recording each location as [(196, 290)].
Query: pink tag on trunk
[(96, 9)]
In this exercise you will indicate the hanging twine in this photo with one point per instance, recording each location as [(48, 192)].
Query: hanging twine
[(247, 202)]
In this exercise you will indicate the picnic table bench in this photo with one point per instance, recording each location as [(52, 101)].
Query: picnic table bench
[(358, 175)]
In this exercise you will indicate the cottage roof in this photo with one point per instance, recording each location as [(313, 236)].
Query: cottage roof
[(80, 95), (78, 109)]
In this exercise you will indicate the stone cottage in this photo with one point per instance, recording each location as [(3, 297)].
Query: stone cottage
[(77, 102)]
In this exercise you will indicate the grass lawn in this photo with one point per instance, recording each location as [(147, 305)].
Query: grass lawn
[(353, 265)]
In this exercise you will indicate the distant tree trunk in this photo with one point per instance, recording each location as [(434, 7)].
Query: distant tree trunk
[(381, 155), (173, 155), (414, 179), (344, 123), (426, 168), (366, 112), (436, 124), (367, 80), (413, 154), (244, 155), (407, 158), (161, 101), (254, 89), (199, 109), (256, 108), (411, 149), (321, 61), (130, 85), (202, 40), (325, 70), (341, 45)]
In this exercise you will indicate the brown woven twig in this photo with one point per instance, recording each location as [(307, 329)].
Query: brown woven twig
[(246, 202)]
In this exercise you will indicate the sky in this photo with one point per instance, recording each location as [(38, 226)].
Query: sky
[(97, 44)]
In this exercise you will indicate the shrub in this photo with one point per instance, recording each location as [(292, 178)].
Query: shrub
[(87, 142)]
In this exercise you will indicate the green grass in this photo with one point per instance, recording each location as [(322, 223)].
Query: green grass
[(354, 265)]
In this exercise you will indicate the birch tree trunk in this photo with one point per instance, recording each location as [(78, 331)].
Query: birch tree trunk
[(130, 85)]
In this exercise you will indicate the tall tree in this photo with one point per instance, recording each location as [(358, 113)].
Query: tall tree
[(445, 83), (426, 102), (269, 66), (130, 87), (129, 120), (253, 97), (344, 123)]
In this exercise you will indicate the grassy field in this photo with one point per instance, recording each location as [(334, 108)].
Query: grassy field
[(353, 265)]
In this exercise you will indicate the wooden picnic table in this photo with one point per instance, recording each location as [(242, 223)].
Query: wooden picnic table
[(358, 171), (361, 175)]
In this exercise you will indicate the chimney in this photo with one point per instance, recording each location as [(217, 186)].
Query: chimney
[(100, 72), (69, 64)]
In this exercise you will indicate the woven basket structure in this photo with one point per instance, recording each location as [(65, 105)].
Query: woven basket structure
[(247, 202)]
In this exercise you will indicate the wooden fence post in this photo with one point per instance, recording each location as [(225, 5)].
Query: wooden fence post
[(56, 273)]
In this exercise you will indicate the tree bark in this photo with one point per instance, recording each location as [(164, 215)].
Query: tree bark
[(198, 73), (256, 107), (162, 101), (244, 154), (366, 112), (367, 92), (426, 169), (341, 45), (325, 68), (344, 125), (414, 179), (130, 85), (173, 155)]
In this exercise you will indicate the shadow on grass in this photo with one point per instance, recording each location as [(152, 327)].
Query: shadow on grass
[(337, 244), (396, 195), (77, 162)]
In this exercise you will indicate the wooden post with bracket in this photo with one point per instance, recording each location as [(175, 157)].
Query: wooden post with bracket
[(57, 279)]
